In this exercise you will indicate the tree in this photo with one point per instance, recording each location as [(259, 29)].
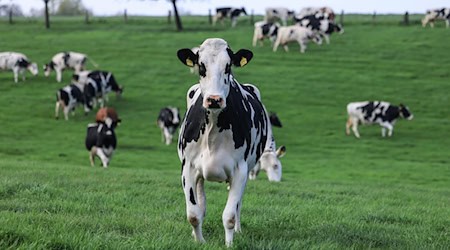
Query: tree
[(177, 16), (47, 19), (70, 8)]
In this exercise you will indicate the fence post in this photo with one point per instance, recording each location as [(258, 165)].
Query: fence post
[(374, 16), (341, 18), (86, 18), (406, 18), (209, 16), (125, 16), (169, 17), (10, 14)]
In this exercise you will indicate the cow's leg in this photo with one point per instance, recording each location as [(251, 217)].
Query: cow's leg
[(355, 127), (327, 38), (254, 172), (432, 24), (383, 131), (92, 154), (275, 46), (66, 110), (447, 22), (230, 216), (22, 73), (195, 213), (388, 126), (16, 74), (348, 125), (233, 22), (102, 157), (58, 75), (167, 135), (215, 19), (286, 48), (302, 46), (255, 37), (57, 109)]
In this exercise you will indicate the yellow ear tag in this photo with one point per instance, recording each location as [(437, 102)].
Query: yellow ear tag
[(243, 61), (189, 62)]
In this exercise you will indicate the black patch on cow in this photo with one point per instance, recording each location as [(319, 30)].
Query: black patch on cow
[(312, 22), (167, 116), (374, 111), (184, 182), (237, 207), (194, 124), (192, 93), (223, 11), (392, 113), (64, 96), (266, 28), (100, 136), (191, 197), (227, 71), (202, 70), (22, 62), (182, 165)]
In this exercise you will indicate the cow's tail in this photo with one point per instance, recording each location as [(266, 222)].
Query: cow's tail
[(93, 62)]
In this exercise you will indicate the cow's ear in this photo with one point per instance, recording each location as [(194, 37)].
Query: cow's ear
[(242, 57), (187, 57), (281, 151)]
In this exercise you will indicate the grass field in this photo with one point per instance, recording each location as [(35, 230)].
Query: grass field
[(336, 192)]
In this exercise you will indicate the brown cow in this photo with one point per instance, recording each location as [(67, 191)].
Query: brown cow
[(105, 112)]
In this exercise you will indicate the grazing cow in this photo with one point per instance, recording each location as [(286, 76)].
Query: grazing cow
[(68, 98), (432, 15), (18, 63), (323, 12), (281, 14), (223, 134), (101, 141), (232, 13), (263, 30), (322, 26), (97, 86), (108, 112), (269, 162), (168, 120), (295, 33), (65, 60), (382, 113)]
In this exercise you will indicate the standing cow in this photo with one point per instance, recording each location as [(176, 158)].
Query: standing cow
[(68, 98), (168, 121), (232, 13), (432, 15), (269, 162), (372, 112), (65, 60), (223, 134), (101, 141), (18, 63), (278, 14), (298, 34), (321, 25), (263, 30)]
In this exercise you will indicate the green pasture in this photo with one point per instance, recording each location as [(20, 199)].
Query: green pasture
[(337, 192)]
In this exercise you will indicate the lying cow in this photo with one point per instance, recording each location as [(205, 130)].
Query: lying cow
[(269, 162), (278, 14), (436, 14), (65, 60), (68, 98), (18, 63), (264, 30), (108, 112), (101, 141), (382, 113), (232, 13), (168, 121), (223, 134), (298, 34), (97, 85), (322, 26)]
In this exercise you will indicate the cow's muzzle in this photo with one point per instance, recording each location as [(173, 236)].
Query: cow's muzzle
[(214, 102)]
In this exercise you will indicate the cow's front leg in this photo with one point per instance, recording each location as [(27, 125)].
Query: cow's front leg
[(58, 75), (66, 112), (102, 157), (231, 214), (16, 74), (389, 127), (302, 46), (195, 200), (167, 135), (22, 73)]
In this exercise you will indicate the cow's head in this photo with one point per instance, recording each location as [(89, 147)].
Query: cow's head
[(176, 116), (33, 68), (48, 68), (405, 113), (214, 60), (271, 163)]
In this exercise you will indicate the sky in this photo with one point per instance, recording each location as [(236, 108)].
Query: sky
[(201, 7)]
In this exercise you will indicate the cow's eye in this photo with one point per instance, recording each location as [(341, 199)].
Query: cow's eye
[(202, 70), (228, 69)]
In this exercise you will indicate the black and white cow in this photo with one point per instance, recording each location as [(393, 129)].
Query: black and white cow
[(321, 25), (371, 112), (101, 141), (295, 33), (269, 162), (264, 30), (168, 121), (436, 14), (223, 134), (65, 60), (18, 63), (232, 13), (278, 14), (97, 85), (68, 98), (322, 12)]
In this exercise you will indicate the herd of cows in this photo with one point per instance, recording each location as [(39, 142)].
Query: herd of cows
[(226, 133)]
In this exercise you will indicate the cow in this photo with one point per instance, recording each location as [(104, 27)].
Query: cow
[(101, 141), (68, 98), (322, 26), (18, 63), (108, 112), (322, 12), (65, 60), (371, 112), (223, 134), (264, 30), (432, 15), (296, 33), (97, 85), (168, 121), (278, 14), (269, 162), (232, 13)]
